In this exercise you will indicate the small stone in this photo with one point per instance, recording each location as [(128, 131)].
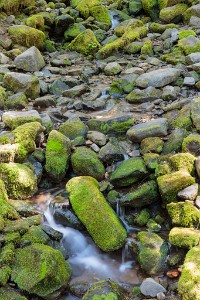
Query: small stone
[(189, 193), (197, 201), (113, 68), (161, 296), (189, 81), (173, 273), (150, 287)]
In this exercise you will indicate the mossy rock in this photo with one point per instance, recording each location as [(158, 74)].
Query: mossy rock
[(73, 31), (184, 214), (73, 128), (7, 293), (13, 119), (147, 48), (20, 181), (85, 43), (167, 3), (151, 161), (142, 195), (173, 13), (7, 255), (35, 235), (191, 144), (182, 162), (14, 6), (153, 252), (153, 144), (183, 119), (101, 14), (26, 36), (86, 162), (7, 211), (40, 270), (128, 172), (170, 184), (151, 8), (185, 33), (3, 97), (95, 213), (36, 21), (188, 285), (127, 25), (142, 218), (184, 237), (160, 28), (17, 101), (57, 155), (22, 225), (175, 140), (189, 45), (104, 289)]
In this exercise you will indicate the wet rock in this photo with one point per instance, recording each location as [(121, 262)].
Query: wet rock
[(17, 82), (189, 193), (30, 60), (52, 233), (157, 127), (100, 220), (150, 287), (66, 217), (111, 152), (158, 78)]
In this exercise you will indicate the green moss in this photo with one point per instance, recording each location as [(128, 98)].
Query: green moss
[(185, 33), (133, 48), (129, 171), (3, 96), (188, 285), (13, 237), (26, 36), (184, 214), (147, 48), (22, 225), (7, 255), (5, 273), (35, 235), (127, 25), (84, 6), (151, 161), (6, 209), (191, 144), (142, 218), (95, 213), (49, 46), (86, 162), (73, 128), (17, 101), (73, 31), (160, 28), (57, 155), (101, 14), (118, 125), (151, 8), (14, 6), (153, 226), (36, 21), (173, 13), (183, 120), (186, 46), (153, 144), (19, 180), (182, 161), (40, 270), (170, 184), (184, 237), (7, 293)]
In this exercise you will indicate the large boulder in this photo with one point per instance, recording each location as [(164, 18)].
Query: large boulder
[(26, 36), (17, 82), (6, 210), (13, 119), (30, 60), (95, 213), (173, 14), (86, 162), (20, 181), (40, 270), (57, 155), (188, 285), (184, 237), (151, 8), (12, 7)]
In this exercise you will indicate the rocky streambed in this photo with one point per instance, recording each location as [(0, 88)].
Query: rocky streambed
[(99, 149)]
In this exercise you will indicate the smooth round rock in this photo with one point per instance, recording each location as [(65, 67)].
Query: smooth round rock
[(150, 287)]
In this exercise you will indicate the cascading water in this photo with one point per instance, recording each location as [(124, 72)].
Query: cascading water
[(114, 19)]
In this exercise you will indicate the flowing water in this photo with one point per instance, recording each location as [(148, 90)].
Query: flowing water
[(114, 19), (85, 258)]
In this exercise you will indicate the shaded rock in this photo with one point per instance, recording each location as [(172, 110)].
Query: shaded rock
[(67, 218), (7, 293), (7, 211), (157, 127), (195, 113), (111, 152), (174, 142), (189, 193), (30, 60), (95, 213), (191, 144), (150, 287)]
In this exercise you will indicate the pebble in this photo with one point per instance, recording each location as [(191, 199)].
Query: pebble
[(150, 287)]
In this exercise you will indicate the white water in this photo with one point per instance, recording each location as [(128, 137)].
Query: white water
[(114, 20)]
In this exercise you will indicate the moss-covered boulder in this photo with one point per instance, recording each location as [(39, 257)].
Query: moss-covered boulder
[(86, 162), (13, 7), (13, 119), (129, 171), (36, 21), (26, 36), (74, 128), (57, 155), (153, 252), (7, 293), (73, 31), (95, 213), (153, 144), (142, 195), (18, 82), (7, 211), (184, 214), (184, 237), (85, 43), (35, 235), (188, 285), (104, 289), (173, 13), (182, 162), (142, 218), (151, 8), (191, 144), (170, 184), (189, 44), (40, 270), (20, 181)]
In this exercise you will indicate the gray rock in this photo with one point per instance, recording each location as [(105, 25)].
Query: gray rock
[(197, 166), (194, 21), (10, 117), (30, 60), (111, 152), (3, 59), (195, 113), (189, 193), (150, 287), (76, 91), (140, 96), (170, 92), (113, 68), (157, 127), (189, 81), (97, 137), (158, 78), (193, 58)]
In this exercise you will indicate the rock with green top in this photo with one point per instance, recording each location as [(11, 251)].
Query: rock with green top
[(85, 43), (189, 44), (73, 128), (135, 6), (7, 293), (35, 235), (104, 289), (153, 144), (188, 284), (40, 270), (144, 194), (182, 161), (167, 3), (183, 119), (36, 21), (173, 13), (141, 96), (73, 31), (3, 97), (16, 101), (142, 218), (13, 119), (7, 211), (13, 7), (170, 184), (184, 214), (128, 172), (86, 162), (152, 253), (95, 213), (20, 181), (26, 36), (184, 237), (127, 25), (57, 155), (185, 33), (191, 144), (153, 226), (174, 142), (151, 8), (30, 60), (160, 28), (18, 82)]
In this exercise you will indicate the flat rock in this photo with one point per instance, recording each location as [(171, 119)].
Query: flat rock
[(150, 287), (158, 78), (76, 91), (157, 127), (13, 119), (189, 193)]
